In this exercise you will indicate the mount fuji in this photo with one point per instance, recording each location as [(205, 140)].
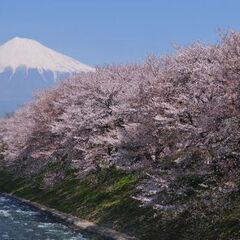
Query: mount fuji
[(27, 66)]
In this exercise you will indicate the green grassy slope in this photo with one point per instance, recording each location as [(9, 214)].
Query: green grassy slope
[(105, 198)]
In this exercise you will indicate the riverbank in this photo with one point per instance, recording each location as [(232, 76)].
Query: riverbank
[(75, 222), (23, 221), (104, 197)]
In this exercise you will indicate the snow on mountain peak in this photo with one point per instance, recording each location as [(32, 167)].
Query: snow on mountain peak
[(29, 53)]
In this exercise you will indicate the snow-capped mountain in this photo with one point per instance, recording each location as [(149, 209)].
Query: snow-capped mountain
[(27, 66)]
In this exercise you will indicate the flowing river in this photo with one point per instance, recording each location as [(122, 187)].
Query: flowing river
[(19, 221)]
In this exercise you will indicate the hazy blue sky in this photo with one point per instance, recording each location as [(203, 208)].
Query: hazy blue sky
[(116, 31)]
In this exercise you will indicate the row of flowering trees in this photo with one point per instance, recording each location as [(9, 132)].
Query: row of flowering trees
[(176, 118)]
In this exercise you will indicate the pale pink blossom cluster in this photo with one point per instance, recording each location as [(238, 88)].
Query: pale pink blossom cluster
[(176, 118)]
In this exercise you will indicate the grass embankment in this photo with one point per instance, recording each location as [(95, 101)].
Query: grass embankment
[(104, 197)]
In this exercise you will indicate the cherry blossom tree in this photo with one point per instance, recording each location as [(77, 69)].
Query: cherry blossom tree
[(175, 118)]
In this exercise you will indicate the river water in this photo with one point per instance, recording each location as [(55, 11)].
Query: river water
[(19, 221)]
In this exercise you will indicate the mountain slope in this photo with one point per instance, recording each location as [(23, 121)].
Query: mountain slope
[(27, 66), (31, 54)]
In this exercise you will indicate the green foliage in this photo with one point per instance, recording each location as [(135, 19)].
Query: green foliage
[(105, 198)]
